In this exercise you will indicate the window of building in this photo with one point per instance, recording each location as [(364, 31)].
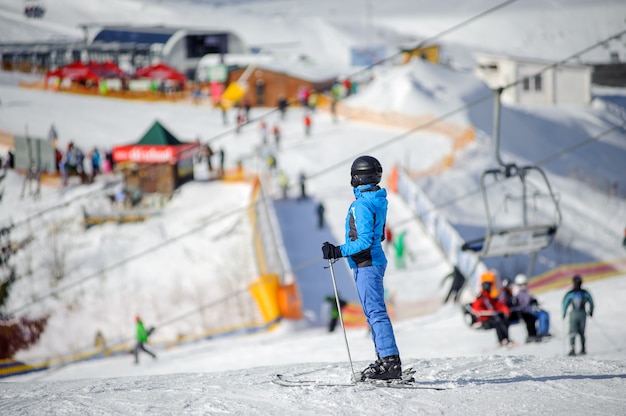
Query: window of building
[(260, 92), (538, 82), (130, 36), (526, 84), (200, 45)]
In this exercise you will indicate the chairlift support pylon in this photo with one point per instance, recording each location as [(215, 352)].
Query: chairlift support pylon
[(523, 237)]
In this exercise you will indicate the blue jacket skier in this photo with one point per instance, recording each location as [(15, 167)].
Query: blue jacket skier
[(365, 230), (578, 298)]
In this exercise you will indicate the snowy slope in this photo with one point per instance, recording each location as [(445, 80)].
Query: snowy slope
[(233, 375)]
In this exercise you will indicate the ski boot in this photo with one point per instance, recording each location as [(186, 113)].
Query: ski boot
[(387, 368)]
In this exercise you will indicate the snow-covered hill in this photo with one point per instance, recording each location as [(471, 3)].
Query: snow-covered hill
[(233, 374)]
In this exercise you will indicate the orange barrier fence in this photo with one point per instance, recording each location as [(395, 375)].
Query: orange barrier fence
[(461, 136), (353, 316)]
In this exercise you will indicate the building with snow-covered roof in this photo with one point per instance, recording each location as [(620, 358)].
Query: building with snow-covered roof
[(541, 82), (180, 48), (266, 75), (129, 46), (267, 82)]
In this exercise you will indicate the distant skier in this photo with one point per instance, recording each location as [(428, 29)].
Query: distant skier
[(283, 182), (222, 156), (282, 106), (578, 298), (307, 124), (388, 237), (53, 136), (263, 131), (320, 215), (364, 233), (334, 311), (400, 250), (100, 342), (458, 281), (142, 337), (302, 181), (276, 133)]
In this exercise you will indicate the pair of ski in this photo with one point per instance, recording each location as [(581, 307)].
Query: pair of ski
[(407, 381)]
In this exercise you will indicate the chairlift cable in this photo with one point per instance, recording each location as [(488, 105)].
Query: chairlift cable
[(439, 35), (461, 108), (305, 263), (130, 258), (419, 45), (415, 129), (476, 191), (342, 163), (581, 144)]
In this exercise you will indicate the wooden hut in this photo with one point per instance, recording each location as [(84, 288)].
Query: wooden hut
[(158, 162)]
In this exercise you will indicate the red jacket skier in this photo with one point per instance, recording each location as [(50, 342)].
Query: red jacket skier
[(486, 306), (492, 313)]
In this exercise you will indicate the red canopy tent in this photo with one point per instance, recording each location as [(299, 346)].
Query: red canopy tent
[(161, 72), (92, 71), (76, 71), (108, 69)]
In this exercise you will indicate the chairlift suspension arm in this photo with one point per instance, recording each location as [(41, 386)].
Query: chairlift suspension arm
[(496, 126), (522, 178)]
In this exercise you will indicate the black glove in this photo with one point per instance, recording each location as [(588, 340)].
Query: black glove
[(330, 251)]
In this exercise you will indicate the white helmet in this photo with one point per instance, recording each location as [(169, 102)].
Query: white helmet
[(521, 279)]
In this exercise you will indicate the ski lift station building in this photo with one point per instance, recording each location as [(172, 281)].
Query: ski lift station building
[(129, 46), (542, 81), (180, 48)]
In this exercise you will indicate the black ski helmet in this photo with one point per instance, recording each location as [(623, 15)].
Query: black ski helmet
[(365, 170), (578, 281)]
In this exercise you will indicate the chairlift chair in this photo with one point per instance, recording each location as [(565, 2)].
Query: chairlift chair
[(524, 230), (525, 235)]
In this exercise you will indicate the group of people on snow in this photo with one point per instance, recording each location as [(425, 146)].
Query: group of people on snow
[(74, 161), (513, 303)]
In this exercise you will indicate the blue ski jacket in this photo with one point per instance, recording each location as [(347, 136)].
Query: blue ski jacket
[(365, 227)]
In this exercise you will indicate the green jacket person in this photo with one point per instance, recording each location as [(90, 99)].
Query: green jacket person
[(142, 337)]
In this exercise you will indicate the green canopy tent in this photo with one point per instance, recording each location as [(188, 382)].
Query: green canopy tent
[(158, 162), (159, 136)]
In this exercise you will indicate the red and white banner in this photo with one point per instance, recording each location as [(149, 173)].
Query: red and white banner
[(155, 154)]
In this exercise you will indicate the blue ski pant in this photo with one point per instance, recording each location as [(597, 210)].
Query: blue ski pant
[(369, 284), (543, 322)]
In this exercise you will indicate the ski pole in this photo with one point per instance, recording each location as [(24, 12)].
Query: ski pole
[(565, 335), (345, 337)]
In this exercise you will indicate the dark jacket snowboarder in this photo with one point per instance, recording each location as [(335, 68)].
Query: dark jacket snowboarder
[(582, 304), (458, 281)]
